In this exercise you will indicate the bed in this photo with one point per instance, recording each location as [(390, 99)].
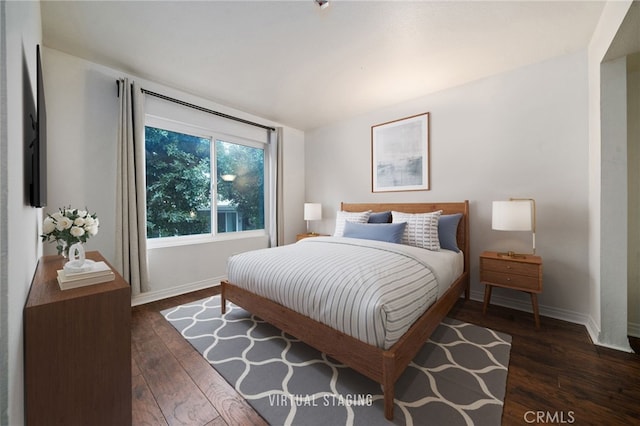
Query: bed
[(384, 357)]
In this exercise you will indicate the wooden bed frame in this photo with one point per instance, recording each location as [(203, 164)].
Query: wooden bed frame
[(382, 366)]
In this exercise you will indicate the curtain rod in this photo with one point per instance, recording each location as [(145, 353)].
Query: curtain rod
[(210, 111), (203, 109)]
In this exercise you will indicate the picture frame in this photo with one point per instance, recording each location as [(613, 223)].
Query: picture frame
[(400, 154)]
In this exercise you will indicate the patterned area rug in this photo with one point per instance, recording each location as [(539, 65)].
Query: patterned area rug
[(458, 377)]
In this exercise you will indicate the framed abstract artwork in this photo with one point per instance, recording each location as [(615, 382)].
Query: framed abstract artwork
[(400, 154)]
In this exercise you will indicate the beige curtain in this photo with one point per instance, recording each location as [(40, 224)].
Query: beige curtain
[(131, 241), (276, 228)]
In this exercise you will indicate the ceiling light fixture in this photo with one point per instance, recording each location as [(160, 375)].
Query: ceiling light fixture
[(322, 3)]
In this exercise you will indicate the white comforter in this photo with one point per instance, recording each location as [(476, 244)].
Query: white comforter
[(371, 290)]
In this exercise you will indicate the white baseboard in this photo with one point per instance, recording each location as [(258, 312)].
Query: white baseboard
[(593, 329), (153, 296), (561, 314), (507, 302), (615, 347)]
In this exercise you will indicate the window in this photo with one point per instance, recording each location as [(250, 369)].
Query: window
[(240, 184), (185, 168)]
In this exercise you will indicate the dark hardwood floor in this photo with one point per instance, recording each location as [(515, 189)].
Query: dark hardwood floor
[(556, 375)]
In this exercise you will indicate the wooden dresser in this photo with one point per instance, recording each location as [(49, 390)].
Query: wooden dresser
[(77, 350), (522, 273)]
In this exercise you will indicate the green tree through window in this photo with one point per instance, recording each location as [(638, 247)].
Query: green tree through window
[(179, 169), (240, 171)]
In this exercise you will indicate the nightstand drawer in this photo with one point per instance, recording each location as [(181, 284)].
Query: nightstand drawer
[(511, 280), (510, 267)]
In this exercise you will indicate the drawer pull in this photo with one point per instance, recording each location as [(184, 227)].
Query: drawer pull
[(508, 266)]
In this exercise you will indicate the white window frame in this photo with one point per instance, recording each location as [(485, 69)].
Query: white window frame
[(213, 136)]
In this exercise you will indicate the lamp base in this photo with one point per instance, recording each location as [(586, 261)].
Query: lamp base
[(513, 255)]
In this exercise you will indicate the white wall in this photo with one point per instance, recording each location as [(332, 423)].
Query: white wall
[(517, 134), (604, 278), (633, 134), (83, 111), (293, 184), (82, 117), (20, 32), (614, 207)]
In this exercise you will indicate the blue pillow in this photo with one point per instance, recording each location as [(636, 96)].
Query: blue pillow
[(448, 230), (381, 217), (389, 232)]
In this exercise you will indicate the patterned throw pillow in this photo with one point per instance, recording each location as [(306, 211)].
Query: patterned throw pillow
[(421, 230), (342, 216)]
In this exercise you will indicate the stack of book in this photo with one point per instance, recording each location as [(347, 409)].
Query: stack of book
[(99, 273)]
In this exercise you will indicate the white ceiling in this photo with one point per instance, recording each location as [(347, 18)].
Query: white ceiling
[(302, 66)]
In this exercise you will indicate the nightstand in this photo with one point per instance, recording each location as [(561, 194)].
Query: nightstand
[(309, 235), (522, 273)]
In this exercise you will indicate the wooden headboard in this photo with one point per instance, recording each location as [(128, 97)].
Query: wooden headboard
[(447, 208)]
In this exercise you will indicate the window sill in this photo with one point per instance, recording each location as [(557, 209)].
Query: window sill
[(158, 243)]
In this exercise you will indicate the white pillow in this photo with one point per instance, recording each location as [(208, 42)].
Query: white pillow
[(342, 217), (421, 230)]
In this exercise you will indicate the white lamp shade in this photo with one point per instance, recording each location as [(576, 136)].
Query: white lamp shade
[(312, 211), (515, 215)]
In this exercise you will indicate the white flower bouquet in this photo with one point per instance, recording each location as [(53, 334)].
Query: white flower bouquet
[(69, 226)]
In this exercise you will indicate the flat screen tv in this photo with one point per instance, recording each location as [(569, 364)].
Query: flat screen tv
[(38, 147)]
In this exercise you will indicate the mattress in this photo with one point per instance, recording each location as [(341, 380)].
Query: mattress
[(371, 290)]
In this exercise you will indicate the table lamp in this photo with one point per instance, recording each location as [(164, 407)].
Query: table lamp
[(517, 214), (312, 211)]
